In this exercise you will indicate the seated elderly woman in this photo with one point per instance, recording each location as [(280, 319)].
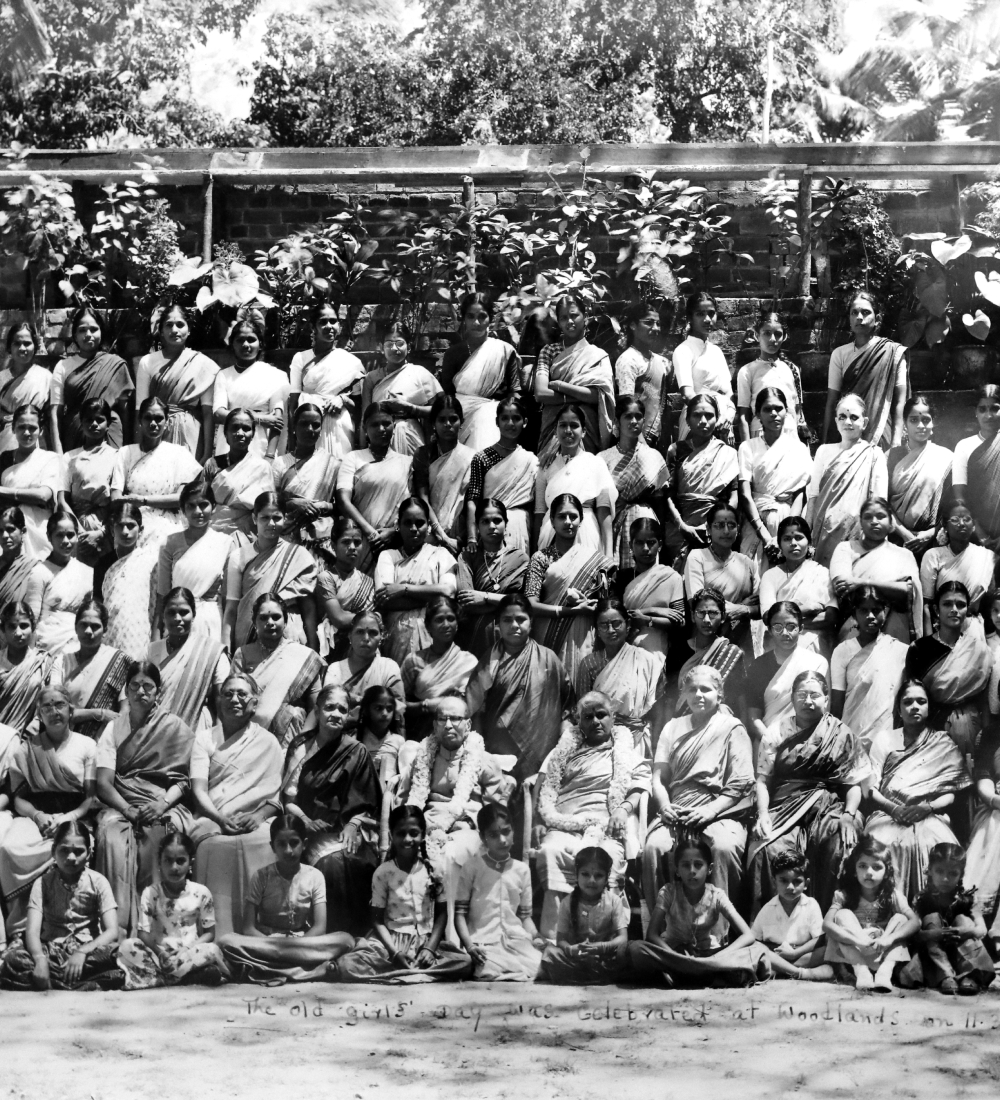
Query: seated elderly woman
[(332, 786), (52, 780), (451, 778), (810, 773), (594, 778), (702, 781), (236, 781)]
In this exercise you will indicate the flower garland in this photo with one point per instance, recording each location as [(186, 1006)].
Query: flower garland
[(469, 758), (622, 763)]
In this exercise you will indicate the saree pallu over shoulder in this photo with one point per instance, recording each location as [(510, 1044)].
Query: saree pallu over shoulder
[(14, 581), (154, 757), (871, 375), (236, 488), (312, 479), (808, 764), (578, 568), (708, 763), (339, 782), (181, 384), (97, 686), (105, 376), (702, 477), (522, 700), (284, 677), (476, 631), (20, 686), (632, 679), (962, 671), (918, 482), (721, 655), (873, 677), (449, 479), (187, 677), (843, 487), (932, 766), (286, 568), (478, 383), (582, 364), (984, 478)]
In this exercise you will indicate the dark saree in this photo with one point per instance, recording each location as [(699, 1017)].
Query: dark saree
[(984, 477), (809, 780), (871, 375), (150, 761), (337, 784), (520, 703), (105, 376), (504, 575)]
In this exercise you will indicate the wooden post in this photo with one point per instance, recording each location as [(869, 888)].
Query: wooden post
[(469, 202), (959, 182), (765, 123), (805, 232), (206, 220)]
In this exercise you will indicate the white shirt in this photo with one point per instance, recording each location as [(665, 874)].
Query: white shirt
[(773, 925)]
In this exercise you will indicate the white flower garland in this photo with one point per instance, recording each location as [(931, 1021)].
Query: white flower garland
[(469, 758), (622, 762)]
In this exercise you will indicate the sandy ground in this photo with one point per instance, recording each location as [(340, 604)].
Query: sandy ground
[(521, 1042)]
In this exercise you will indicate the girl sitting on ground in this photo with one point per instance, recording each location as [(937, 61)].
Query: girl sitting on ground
[(592, 927), (176, 931), (408, 920), (950, 953), (689, 927), (869, 922), (71, 937), (493, 906), (285, 917)]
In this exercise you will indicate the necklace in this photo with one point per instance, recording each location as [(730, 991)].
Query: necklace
[(497, 865), (498, 557)]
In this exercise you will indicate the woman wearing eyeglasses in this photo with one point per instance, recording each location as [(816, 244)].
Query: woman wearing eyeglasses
[(844, 476), (809, 777)]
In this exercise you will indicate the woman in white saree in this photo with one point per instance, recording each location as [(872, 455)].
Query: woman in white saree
[(184, 380), (479, 370), (331, 377)]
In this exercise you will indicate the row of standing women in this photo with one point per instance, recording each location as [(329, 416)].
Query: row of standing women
[(391, 560)]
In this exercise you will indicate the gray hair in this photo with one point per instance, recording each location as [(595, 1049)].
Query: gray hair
[(713, 674)]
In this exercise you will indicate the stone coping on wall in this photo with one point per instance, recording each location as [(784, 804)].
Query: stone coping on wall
[(890, 160)]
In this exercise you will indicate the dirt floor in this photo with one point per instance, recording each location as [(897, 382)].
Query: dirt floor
[(492, 1040)]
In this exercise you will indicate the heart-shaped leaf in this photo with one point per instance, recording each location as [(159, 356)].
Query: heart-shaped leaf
[(937, 329), (911, 331), (944, 253), (978, 326), (931, 289), (989, 288)]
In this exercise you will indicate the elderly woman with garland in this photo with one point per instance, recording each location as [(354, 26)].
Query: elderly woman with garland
[(594, 778), (451, 778)]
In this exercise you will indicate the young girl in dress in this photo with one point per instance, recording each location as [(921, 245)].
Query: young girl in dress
[(493, 906), (592, 927), (686, 937), (870, 920), (176, 931), (950, 954), (71, 937), (285, 917), (378, 729), (408, 919)]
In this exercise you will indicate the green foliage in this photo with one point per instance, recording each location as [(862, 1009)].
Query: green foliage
[(320, 263), (529, 71), (40, 230)]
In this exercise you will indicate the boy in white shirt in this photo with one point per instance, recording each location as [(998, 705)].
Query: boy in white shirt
[(790, 925)]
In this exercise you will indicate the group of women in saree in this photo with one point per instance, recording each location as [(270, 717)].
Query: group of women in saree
[(260, 593)]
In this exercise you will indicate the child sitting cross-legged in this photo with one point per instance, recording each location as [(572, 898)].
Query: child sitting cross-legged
[(790, 925), (686, 938), (591, 929), (869, 921), (950, 953), (176, 932), (70, 940), (408, 921)]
